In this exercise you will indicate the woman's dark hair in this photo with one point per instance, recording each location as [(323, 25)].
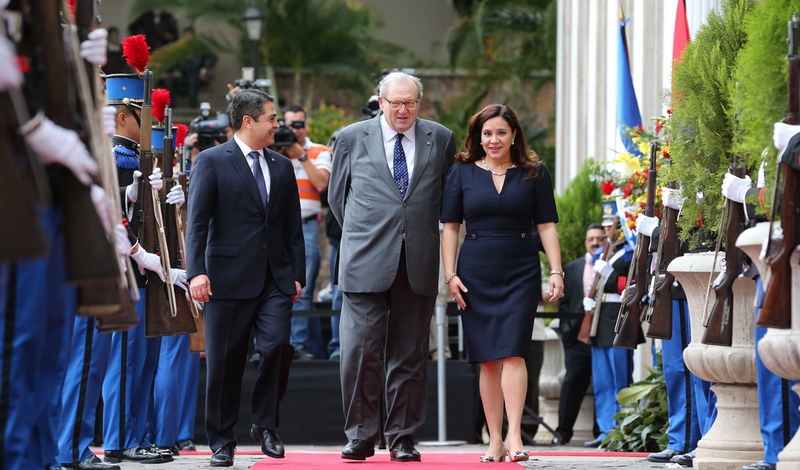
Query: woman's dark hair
[(521, 155)]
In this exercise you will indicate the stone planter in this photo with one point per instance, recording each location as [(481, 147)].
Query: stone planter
[(735, 439)]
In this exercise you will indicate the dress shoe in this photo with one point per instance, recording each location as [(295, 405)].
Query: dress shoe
[(134, 454), (501, 457), (271, 444), (595, 443), (760, 466), (164, 451), (302, 354), (517, 455), (664, 456), (185, 444), (358, 449), (94, 463), (685, 460), (558, 441), (223, 457), (403, 450)]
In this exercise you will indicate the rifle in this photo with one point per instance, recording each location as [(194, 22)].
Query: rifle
[(628, 322), (776, 311), (182, 319), (591, 317), (661, 311)]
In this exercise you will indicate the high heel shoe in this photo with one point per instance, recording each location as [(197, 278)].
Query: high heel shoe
[(517, 455), (496, 458)]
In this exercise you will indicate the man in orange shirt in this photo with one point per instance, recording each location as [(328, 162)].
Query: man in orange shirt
[(312, 168)]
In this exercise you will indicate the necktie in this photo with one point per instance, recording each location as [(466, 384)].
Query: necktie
[(400, 167), (587, 278), (259, 176)]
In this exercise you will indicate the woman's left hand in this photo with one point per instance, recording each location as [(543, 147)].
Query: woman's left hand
[(556, 287)]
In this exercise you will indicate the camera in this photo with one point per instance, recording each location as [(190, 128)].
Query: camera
[(209, 131), (248, 80), (372, 108), (284, 136)]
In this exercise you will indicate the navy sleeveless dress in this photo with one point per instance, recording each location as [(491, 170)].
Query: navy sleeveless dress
[(499, 259)]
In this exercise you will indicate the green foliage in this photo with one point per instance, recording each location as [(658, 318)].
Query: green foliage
[(762, 75), (643, 419), (701, 133), (324, 121), (579, 206)]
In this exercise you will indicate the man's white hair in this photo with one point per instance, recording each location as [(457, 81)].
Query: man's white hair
[(396, 77)]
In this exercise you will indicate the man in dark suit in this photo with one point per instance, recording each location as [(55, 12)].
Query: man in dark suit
[(246, 260), (386, 191), (578, 277)]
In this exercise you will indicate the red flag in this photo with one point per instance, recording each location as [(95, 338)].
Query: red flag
[(681, 38)]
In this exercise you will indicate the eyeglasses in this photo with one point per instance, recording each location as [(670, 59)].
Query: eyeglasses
[(396, 105)]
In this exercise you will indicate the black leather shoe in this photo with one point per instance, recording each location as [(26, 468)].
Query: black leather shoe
[(134, 454), (595, 443), (358, 449), (403, 450), (558, 441), (185, 444), (302, 354), (271, 444), (685, 460), (94, 463), (760, 466), (664, 456), (223, 457)]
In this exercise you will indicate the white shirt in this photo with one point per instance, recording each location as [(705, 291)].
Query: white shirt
[(261, 161), (409, 145)]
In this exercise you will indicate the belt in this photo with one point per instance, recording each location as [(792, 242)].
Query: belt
[(607, 297), (310, 218), (502, 234)]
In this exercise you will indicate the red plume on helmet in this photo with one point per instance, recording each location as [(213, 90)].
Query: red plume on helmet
[(72, 6), (136, 51), (160, 102), (180, 135)]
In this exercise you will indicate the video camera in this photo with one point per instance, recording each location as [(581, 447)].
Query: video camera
[(284, 136), (209, 131), (248, 80)]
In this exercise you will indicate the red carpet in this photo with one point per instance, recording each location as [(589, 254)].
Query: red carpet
[(438, 460)]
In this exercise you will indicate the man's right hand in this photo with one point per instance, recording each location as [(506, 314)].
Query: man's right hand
[(589, 304), (200, 288), (293, 151)]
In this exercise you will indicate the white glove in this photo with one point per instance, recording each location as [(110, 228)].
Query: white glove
[(645, 225), (58, 145), (94, 48), (148, 261), (603, 268), (672, 198), (175, 196), (155, 179), (132, 193), (110, 120), (735, 188), (103, 207), (589, 304), (782, 134), (10, 76), (122, 245), (178, 277)]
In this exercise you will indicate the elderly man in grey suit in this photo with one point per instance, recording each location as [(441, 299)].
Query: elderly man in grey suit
[(386, 190)]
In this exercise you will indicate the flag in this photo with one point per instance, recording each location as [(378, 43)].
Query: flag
[(627, 106), (681, 36)]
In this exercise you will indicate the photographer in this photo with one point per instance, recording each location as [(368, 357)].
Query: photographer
[(312, 168), (205, 132)]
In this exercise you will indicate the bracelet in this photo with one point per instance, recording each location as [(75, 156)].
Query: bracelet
[(449, 278), (556, 271)]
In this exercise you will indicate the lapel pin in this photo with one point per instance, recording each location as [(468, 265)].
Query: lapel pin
[(429, 144), (272, 159)]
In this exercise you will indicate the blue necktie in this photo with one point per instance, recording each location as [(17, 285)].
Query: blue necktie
[(400, 167), (259, 176)]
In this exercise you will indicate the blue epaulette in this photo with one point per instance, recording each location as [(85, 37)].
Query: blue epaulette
[(126, 158)]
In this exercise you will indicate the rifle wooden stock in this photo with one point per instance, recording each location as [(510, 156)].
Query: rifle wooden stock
[(628, 333), (197, 340), (661, 318), (588, 325)]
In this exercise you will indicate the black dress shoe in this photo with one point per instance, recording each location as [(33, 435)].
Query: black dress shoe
[(358, 449), (760, 466), (685, 460), (558, 441), (271, 444), (664, 456), (164, 451), (94, 463), (134, 454), (302, 354), (223, 457), (185, 444), (595, 443), (403, 450)]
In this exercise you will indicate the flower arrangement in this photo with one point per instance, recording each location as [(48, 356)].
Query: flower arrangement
[(625, 177)]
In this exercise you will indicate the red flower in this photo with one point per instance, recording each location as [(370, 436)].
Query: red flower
[(607, 187), (659, 126), (627, 190)]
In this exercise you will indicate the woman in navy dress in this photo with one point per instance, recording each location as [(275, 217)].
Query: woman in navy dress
[(501, 190)]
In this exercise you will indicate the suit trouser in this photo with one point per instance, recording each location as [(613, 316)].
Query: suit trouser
[(128, 387), (578, 362), (176, 366), (398, 320), (307, 331), (777, 404), (36, 307), (228, 327), (80, 395), (612, 370)]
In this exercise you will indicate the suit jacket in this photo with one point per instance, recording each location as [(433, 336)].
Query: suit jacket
[(570, 308), (230, 238), (374, 217)]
